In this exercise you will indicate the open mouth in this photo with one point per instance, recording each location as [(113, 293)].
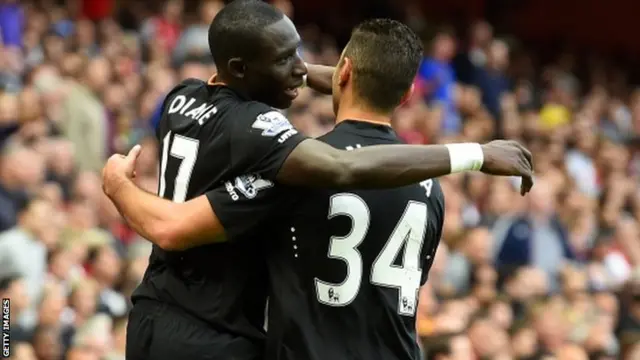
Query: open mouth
[(292, 92)]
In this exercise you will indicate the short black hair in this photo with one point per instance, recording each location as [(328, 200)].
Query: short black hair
[(237, 28), (386, 55)]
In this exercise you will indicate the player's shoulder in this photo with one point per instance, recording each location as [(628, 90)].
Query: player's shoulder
[(257, 116), (251, 110), (341, 139), (434, 194), (188, 86), (353, 134), (332, 136), (187, 104), (184, 96)]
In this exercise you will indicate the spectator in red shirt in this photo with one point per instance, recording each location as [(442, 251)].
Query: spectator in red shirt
[(165, 27), (96, 10)]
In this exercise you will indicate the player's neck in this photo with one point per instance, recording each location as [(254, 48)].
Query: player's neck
[(218, 79), (361, 113)]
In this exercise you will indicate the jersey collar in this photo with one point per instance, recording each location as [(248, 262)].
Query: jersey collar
[(370, 128), (213, 81)]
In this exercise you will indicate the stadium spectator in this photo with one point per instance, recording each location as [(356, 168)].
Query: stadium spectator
[(491, 78), (436, 80), (194, 39), (474, 55), (11, 23), (85, 116), (23, 251), (537, 238)]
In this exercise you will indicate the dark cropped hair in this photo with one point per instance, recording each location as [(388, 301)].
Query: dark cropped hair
[(386, 55)]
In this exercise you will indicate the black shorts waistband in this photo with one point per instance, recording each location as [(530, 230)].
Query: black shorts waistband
[(156, 308)]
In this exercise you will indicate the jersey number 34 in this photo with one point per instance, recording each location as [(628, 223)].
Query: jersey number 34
[(409, 231)]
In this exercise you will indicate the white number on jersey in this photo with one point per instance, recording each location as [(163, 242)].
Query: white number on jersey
[(182, 148), (410, 232), (344, 248)]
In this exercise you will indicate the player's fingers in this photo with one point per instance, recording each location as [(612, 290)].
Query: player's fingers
[(524, 152), (527, 184), (134, 152), (527, 176), (528, 156)]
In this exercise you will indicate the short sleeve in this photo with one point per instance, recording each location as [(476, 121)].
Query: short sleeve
[(247, 203), (261, 140)]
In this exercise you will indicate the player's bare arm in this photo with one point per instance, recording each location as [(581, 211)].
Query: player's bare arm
[(319, 78), (169, 225), (313, 163), (179, 226)]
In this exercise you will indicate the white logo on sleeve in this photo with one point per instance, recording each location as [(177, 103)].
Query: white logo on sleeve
[(271, 123), (247, 185)]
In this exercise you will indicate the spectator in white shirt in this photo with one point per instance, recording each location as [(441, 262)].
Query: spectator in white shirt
[(23, 251)]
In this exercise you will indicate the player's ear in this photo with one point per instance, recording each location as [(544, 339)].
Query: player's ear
[(237, 67), (345, 71), (407, 95)]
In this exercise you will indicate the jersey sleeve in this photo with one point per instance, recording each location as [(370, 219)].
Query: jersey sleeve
[(437, 223), (260, 140), (248, 202)]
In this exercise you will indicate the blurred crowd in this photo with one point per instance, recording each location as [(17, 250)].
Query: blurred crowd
[(553, 275)]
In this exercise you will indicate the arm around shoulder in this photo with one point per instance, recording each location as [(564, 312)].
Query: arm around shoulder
[(190, 224), (315, 164), (169, 225), (319, 78)]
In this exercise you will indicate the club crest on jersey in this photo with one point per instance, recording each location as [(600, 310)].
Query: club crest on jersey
[(247, 185), (271, 123)]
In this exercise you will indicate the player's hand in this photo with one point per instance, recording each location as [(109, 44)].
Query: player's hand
[(509, 158), (119, 168)]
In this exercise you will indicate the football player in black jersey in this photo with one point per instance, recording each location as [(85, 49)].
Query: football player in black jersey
[(345, 267), (208, 302)]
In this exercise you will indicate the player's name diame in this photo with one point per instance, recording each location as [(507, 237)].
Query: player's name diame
[(189, 108)]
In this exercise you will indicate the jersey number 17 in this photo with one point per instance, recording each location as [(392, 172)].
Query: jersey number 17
[(409, 231), (185, 149)]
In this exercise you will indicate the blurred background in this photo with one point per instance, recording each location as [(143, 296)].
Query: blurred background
[(554, 275)]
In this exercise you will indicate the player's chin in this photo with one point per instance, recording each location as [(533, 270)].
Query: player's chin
[(286, 99)]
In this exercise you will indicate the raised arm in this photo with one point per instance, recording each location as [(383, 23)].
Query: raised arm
[(319, 78), (313, 163), (169, 225), (269, 146), (179, 226)]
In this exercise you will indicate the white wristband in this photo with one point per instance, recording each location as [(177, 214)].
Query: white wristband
[(465, 157)]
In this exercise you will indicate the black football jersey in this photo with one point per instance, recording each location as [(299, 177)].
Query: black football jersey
[(211, 136), (346, 266)]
